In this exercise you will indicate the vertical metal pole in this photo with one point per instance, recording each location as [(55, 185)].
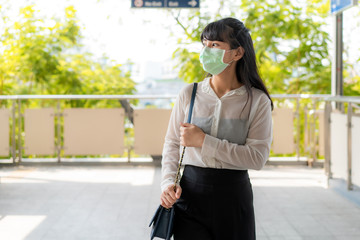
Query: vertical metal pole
[(58, 132), (128, 155), (327, 136), (306, 133), (19, 130), (13, 138), (314, 138), (337, 65), (349, 142), (298, 129)]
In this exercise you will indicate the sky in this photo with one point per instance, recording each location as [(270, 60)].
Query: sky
[(113, 28)]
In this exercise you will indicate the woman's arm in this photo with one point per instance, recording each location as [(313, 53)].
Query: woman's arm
[(171, 150)]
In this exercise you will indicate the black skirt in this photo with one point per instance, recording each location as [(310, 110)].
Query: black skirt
[(215, 204)]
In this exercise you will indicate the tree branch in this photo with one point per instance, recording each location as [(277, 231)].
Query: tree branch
[(180, 24)]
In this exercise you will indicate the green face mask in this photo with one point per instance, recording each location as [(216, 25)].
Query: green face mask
[(212, 60)]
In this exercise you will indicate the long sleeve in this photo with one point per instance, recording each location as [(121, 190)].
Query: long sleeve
[(171, 150), (255, 152)]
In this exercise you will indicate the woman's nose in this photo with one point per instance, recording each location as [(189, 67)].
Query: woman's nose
[(207, 44)]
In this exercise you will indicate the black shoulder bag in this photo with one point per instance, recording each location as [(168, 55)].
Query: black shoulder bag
[(163, 219)]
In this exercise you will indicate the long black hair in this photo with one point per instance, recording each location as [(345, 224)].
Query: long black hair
[(234, 32)]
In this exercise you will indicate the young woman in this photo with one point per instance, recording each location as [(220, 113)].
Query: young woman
[(231, 132)]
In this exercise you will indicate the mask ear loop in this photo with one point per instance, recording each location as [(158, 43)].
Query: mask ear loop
[(230, 62), (224, 55)]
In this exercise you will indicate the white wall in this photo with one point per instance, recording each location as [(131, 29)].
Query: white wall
[(356, 150), (338, 145)]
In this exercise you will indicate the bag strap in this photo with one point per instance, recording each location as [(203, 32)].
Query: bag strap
[(188, 121)]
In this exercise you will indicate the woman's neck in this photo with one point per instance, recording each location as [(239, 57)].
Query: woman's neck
[(224, 83)]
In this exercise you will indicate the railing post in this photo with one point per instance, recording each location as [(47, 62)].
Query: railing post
[(327, 133), (129, 154), (13, 138), (314, 138), (19, 130), (349, 142), (306, 130), (297, 114), (58, 127)]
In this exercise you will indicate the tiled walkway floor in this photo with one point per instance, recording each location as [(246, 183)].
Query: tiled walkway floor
[(116, 202)]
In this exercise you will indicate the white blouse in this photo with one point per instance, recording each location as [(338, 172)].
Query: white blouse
[(236, 137)]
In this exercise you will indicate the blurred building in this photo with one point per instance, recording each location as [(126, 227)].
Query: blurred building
[(157, 78)]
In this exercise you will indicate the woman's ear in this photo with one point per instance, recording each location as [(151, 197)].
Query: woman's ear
[(239, 53)]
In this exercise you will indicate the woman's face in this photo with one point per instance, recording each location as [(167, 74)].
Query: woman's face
[(220, 45)]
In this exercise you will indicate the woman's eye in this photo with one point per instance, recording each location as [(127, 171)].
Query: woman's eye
[(215, 44)]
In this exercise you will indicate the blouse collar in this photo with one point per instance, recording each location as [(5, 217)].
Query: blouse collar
[(206, 88)]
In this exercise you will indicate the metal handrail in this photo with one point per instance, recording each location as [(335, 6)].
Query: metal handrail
[(138, 96), (102, 97), (325, 97), (304, 96), (343, 99)]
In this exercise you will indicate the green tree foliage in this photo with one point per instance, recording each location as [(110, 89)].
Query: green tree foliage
[(291, 45), (44, 56), (291, 39), (190, 69)]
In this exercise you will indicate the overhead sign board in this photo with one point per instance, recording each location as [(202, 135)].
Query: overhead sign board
[(337, 6), (165, 3)]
